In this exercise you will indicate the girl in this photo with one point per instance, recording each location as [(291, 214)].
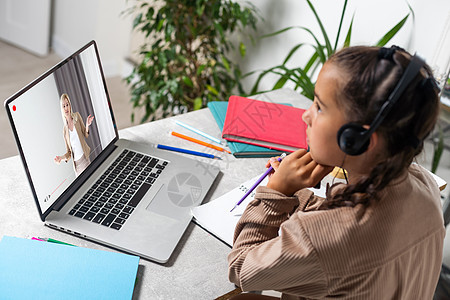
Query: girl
[(75, 134), (380, 236)]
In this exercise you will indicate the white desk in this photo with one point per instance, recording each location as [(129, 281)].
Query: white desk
[(198, 268)]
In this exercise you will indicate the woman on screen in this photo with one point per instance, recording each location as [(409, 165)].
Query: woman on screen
[(75, 134)]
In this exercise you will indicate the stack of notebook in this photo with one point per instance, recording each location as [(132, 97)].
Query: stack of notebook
[(31, 269), (256, 128), (219, 111)]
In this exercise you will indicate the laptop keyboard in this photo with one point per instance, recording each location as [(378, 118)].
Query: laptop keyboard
[(114, 196)]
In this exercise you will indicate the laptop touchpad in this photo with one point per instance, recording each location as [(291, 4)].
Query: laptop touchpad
[(182, 192)]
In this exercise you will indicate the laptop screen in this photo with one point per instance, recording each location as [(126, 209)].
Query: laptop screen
[(62, 121)]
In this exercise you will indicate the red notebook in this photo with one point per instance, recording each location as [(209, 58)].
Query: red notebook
[(266, 124)]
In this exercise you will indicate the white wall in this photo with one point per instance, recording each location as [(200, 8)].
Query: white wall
[(372, 20), (77, 22)]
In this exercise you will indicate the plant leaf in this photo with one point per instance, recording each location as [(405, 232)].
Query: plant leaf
[(137, 20), (340, 26), (278, 32), (412, 12), (198, 103), (319, 49), (200, 10), (254, 89), (311, 61), (349, 33), (212, 90), (225, 62), (320, 46), (438, 149), (160, 25), (219, 28), (391, 33), (200, 69), (292, 51), (325, 35), (242, 49), (307, 86), (280, 83), (188, 81)]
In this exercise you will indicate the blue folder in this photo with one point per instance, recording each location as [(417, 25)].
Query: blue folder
[(32, 269)]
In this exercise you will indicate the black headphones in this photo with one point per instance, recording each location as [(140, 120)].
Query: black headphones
[(353, 138)]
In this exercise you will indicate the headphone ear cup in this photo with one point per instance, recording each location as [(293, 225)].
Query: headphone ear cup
[(353, 139)]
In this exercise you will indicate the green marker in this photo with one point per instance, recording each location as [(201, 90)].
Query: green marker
[(55, 241)]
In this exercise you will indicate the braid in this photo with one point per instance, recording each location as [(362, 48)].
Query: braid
[(371, 79), (367, 189)]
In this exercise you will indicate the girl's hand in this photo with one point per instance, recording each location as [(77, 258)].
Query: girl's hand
[(296, 171)]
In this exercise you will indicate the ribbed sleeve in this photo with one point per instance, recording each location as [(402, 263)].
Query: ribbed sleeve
[(261, 248)]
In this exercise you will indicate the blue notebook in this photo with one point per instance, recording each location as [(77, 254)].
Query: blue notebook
[(219, 111), (32, 269)]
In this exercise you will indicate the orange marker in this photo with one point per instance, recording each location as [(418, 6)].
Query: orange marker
[(198, 141)]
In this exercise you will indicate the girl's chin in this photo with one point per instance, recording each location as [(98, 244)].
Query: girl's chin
[(312, 154), (315, 158)]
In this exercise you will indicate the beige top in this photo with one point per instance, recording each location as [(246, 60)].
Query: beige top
[(389, 250)]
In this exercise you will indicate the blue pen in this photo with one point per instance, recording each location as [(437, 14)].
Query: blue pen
[(267, 172), (159, 146), (198, 132)]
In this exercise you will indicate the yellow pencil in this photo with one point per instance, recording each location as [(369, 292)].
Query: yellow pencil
[(198, 141)]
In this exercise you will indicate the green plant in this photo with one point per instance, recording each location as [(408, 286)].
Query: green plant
[(184, 59), (439, 137), (302, 77), (438, 147)]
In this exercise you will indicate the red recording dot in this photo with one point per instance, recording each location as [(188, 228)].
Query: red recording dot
[(14, 108)]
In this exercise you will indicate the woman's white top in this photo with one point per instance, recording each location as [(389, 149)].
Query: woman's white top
[(76, 144)]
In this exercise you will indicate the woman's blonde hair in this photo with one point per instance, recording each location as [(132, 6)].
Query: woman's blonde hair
[(61, 100)]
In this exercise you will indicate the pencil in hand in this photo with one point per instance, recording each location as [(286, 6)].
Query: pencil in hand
[(264, 175)]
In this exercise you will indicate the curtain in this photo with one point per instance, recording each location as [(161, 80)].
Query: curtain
[(71, 79)]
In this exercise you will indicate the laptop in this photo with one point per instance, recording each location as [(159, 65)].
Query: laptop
[(88, 182)]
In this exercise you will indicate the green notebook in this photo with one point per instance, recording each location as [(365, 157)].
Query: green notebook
[(219, 111)]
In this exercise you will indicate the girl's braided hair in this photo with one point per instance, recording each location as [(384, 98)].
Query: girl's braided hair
[(369, 76)]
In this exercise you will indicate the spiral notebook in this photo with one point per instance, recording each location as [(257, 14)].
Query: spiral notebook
[(216, 218)]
